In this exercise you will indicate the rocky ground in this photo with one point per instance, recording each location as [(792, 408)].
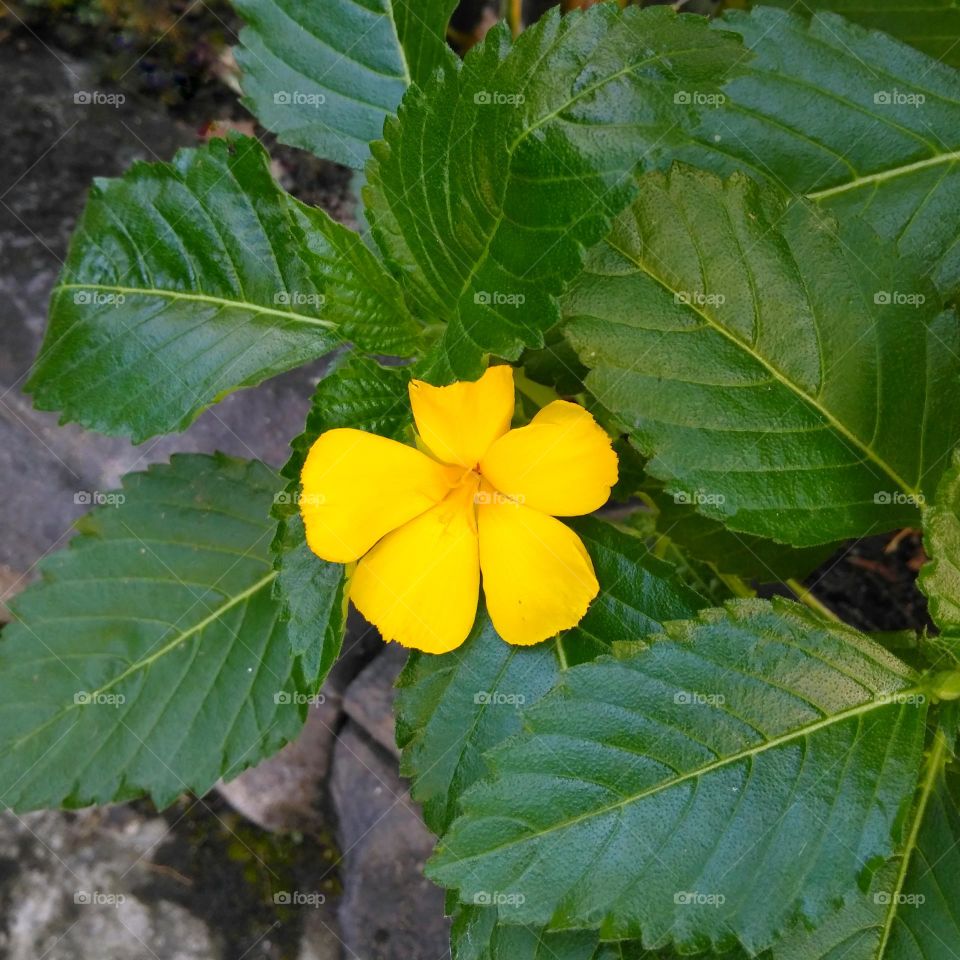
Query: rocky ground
[(315, 855)]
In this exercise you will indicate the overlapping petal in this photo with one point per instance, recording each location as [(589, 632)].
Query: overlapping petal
[(358, 486), (458, 423), (561, 463), (420, 584), (537, 575)]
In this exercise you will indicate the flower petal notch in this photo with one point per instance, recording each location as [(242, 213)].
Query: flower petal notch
[(457, 424), (478, 499)]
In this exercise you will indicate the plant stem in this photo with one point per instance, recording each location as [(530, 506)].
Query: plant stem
[(512, 12), (537, 392), (737, 586), (806, 597), (463, 40)]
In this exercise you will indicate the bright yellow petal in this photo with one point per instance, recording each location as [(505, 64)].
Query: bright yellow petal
[(537, 575), (458, 423), (420, 584), (358, 486), (561, 463)]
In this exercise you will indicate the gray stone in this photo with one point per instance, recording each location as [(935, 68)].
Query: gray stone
[(70, 882), (369, 699), (287, 791), (361, 643), (389, 910), (320, 938)]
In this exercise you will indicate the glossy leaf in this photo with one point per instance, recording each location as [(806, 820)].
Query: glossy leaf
[(325, 76), (737, 335), (359, 295), (476, 935), (932, 26), (730, 552), (494, 175), (187, 280), (909, 912), (453, 708), (638, 592), (694, 794), (854, 120), (151, 658), (357, 393)]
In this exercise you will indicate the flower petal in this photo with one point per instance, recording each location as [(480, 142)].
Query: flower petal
[(358, 486), (458, 423), (420, 584), (561, 463), (537, 575)]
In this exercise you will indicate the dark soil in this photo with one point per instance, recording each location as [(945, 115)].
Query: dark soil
[(177, 55), (872, 583)]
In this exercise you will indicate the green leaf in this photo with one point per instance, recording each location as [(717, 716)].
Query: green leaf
[(312, 596), (359, 296), (476, 935), (495, 175), (940, 578), (735, 333), (187, 280), (325, 76), (452, 708), (360, 394), (909, 913), (638, 592), (694, 795), (932, 26), (151, 658), (852, 119), (729, 552)]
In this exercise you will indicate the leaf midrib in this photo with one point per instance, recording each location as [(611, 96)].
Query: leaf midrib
[(874, 179), (199, 298), (777, 374), (146, 661), (935, 763), (481, 259), (707, 768)]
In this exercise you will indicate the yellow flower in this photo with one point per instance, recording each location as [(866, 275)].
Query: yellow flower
[(424, 527)]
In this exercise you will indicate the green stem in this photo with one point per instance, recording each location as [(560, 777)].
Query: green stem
[(737, 586), (512, 12), (662, 546), (537, 392), (806, 597)]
